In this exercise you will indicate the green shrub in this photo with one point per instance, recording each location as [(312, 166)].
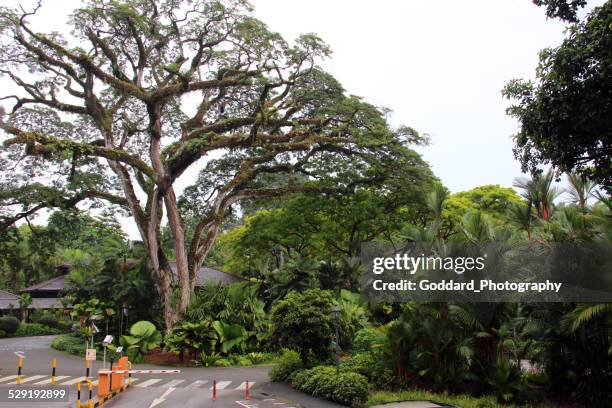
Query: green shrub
[(288, 362), (463, 401), (70, 344), (241, 361), (208, 360), (302, 322), (49, 322), (223, 362), (9, 324), (257, 358), (361, 363), (347, 388), (143, 338), (365, 339), (505, 380), (2, 333), (35, 329), (350, 389)]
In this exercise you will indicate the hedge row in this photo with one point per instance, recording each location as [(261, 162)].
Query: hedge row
[(346, 388), (11, 327)]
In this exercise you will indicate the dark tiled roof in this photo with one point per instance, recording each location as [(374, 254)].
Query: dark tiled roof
[(8, 300), (54, 284), (4, 295), (206, 274)]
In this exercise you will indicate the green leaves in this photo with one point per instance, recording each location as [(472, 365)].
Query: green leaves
[(303, 322), (564, 117), (143, 338)]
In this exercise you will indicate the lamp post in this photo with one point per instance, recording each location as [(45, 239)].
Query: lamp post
[(336, 314)]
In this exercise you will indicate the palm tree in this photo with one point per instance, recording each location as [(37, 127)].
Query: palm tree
[(580, 189), (25, 300), (521, 214), (540, 192)]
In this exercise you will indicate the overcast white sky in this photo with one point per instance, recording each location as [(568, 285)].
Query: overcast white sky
[(438, 64)]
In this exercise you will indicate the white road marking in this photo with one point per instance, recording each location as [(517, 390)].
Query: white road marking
[(73, 381), (243, 385), (10, 377), (161, 399), (28, 379), (197, 384), (222, 384), (48, 380), (148, 382), (172, 384)]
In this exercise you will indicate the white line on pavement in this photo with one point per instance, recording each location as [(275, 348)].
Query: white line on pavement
[(10, 377), (222, 384), (73, 381), (172, 384), (148, 382), (48, 380), (197, 384), (28, 379), (243, 385)]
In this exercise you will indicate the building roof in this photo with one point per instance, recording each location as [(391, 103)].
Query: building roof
[(205, 274), (8, 300), (4, 295), (52, 285)]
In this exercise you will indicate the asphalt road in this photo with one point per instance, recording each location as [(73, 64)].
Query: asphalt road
[(192, 387)]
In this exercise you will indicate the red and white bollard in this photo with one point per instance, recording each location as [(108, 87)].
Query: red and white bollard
[(214, 390), (247, 394)]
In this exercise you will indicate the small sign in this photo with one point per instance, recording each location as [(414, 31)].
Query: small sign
[(119, 349), (20, 354), (90, 354)]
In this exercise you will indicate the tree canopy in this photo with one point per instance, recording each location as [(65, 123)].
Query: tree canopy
[(142, 91), (565, 118)]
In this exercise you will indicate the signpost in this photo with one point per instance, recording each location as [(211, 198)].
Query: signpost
[(90, 354)]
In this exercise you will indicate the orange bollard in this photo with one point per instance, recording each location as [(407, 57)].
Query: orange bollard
[(214, 390), (247, 395)]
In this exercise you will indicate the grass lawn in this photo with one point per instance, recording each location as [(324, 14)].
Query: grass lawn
[(463, 401)]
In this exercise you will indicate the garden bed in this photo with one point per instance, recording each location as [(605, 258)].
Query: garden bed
[(160, 357)]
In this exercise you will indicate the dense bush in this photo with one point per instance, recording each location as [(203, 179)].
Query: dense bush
[(288, 362), (366, 338), (347, 388), (143, 338), (361, 363), (9, 324), (70, 344), (236, 360), (36, 329), (50, 322), (302, 322)]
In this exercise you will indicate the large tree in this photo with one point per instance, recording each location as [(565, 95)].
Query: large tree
[(566, 117), (145, 92)]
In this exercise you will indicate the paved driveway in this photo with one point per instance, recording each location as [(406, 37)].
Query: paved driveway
[(192, 387)]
